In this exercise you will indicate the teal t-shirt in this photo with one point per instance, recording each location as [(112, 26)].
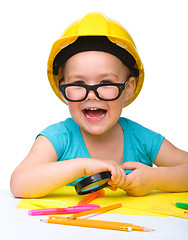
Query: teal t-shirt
[(140, 144)]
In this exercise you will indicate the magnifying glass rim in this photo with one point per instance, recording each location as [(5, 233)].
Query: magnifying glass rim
[(92, 179)]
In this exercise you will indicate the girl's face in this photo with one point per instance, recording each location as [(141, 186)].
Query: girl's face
[(95, 116)]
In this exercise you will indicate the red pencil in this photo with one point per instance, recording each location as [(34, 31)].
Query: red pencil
[(92, 196)]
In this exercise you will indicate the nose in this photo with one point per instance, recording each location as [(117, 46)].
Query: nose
[(91, 95)]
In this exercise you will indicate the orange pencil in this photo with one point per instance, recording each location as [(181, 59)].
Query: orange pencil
[(96, 224), (97, 211), (92, 196)]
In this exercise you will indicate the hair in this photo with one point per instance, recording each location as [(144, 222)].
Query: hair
[(94, 43)]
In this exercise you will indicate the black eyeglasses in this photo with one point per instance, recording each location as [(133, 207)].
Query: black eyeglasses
[(76, 92)]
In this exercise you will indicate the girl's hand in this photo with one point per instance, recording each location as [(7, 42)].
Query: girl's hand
[(92, 166), (140, 181)]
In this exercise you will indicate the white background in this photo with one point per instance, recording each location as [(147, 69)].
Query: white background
[(28, 104)]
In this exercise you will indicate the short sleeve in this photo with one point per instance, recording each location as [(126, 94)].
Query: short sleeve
[(155, 145), (57, 135)]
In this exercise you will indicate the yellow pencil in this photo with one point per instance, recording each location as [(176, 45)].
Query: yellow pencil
[(96, 224), (96, 211)]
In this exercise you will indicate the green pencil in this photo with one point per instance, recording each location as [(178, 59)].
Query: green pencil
[(182, 205)]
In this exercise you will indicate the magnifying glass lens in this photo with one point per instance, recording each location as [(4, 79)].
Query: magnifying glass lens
[(93, 183), (93, 186)]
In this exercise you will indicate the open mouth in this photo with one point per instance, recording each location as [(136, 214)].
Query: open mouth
[(94, 113)]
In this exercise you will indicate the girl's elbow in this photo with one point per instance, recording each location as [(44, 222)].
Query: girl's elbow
[(15, 186)]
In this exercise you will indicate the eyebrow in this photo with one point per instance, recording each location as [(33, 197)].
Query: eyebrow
[(102, 75), (108, 74)]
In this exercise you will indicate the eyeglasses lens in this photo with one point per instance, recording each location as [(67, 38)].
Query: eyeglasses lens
[(75, 92), (108, 92)]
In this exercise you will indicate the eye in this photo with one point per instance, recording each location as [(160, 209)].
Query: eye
[(79, 82), (105, 81)]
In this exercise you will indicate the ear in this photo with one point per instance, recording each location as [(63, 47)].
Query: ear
[(129, 89)]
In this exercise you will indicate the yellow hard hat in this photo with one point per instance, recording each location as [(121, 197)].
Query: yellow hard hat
[(95, 24)]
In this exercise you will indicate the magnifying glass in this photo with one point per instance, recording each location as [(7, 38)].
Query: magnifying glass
[(93, 183)]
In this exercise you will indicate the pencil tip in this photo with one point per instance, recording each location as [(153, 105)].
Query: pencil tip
[(148, 230), (43, 220)]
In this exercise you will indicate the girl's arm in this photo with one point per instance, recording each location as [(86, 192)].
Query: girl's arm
[(40, 173), (170, 175)]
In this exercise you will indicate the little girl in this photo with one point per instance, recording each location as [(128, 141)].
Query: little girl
[(95, 69)]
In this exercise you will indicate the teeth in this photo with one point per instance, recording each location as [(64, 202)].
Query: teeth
[(94, 117), (94, 109)]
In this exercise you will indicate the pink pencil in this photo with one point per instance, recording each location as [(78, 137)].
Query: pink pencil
[(68, 210)]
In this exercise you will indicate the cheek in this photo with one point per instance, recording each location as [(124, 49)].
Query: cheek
[(117, 105), (73, 108), (120, 101)]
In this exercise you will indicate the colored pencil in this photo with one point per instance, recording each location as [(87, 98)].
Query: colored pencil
[(68, 210), (96, 224), (182, 205), (92, 196), (96, 211)]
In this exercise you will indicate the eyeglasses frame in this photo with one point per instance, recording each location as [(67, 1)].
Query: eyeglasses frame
[(121, 87)]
